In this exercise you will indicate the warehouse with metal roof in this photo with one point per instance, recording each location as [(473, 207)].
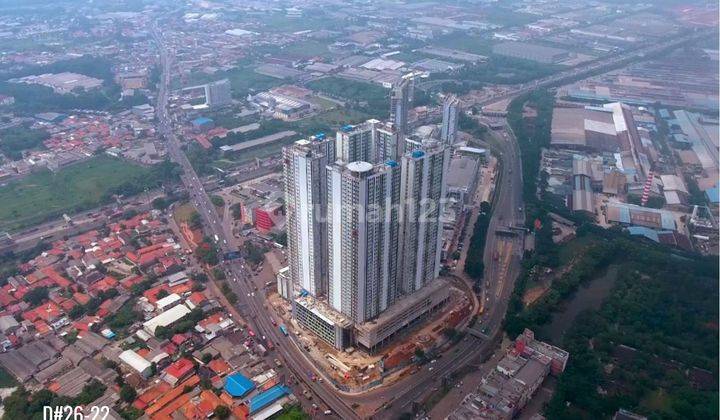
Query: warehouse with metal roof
[(237, 385)]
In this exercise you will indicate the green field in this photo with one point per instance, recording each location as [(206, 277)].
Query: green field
[(243, 80), (306, 49), (369, 98), (463, 42), (312, 20), (44, 195)]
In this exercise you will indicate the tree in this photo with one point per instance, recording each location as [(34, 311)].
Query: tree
[(219, 274), (36, 296), (200, 277), (207, 253), (128, 393), (280, 238), (485, 207), (236, 210), (205, 383), (76, 312), (13, 141), (450, 332), (162, 293), (163, 332), (232, 298), (253, 253), (217, 201), (90, 392), (206, 358), (221, 412), (195, 220), (160, 203)]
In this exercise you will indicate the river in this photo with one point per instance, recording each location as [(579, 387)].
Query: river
[(588, 296)]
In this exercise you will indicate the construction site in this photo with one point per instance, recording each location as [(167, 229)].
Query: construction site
[(353, 369)]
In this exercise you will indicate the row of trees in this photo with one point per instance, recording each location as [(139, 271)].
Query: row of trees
[(370, 98), (474, 266), (15, 140), (163, 173)]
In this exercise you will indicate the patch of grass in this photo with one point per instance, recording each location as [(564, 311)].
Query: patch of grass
[(44, 195), (576, 247), (506, 17), (184, 212), (463, 42), (311, 20), (335, 118), (243, 80), (6, 379), (370, 98), (307, 48), (293, 412), (323, 103)]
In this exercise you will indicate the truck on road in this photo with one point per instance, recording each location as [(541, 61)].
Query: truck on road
[(283, 330)]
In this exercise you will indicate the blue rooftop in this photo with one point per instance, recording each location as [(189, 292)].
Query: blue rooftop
[(238, 385), (347, 128), (392, 163), (418, 154), (266, 398), (320, 136), (643, 231), (202, 120)]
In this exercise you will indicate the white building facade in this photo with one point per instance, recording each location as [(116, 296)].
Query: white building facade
[(422, 194), (363, 234), (304, 168)]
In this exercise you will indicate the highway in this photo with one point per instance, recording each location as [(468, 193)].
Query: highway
[(595, 67), (508, 211)]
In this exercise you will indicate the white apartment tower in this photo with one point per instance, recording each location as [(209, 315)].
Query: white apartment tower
[(400, 103), (422, 195), (388, 144), (372, 141), (305, 171), (354, 143), (363, 237), (218, 94), (451, 114)]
